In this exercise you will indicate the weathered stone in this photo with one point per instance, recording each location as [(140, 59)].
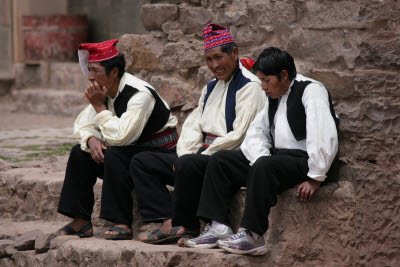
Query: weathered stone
[(10, 250), (194, 19), (186, 55), (141, 51), (25, 258), (204, 75), (340, 85), (3, 246), (42, 242), (170, 89), (61, 240), (154, 16), (27, 240)]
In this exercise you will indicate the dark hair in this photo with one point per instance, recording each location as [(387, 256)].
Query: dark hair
[(116, 62), (228, 48), (272, 61)]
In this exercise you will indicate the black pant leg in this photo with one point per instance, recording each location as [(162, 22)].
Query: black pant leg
[(226, 173), (189, 176), (150, 173), (266, 179), (77, 197), (116, 197)]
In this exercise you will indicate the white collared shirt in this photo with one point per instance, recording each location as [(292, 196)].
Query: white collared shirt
[(321, 142), (250, 100), (107, 127)]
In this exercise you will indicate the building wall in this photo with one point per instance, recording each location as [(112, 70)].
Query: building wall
[(5, 36), (109, 19), (353, 47)]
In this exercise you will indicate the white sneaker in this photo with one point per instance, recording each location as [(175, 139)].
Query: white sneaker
[(209, 238), (244, 243)]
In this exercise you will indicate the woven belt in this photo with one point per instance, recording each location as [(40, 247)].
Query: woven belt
[(209, 139), (167, 138)]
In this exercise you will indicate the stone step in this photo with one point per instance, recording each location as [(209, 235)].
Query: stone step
[(27, 248), (49, 101), (315, 232), (43, 74)]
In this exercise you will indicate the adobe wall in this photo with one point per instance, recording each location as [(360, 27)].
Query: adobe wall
[(353, 47)]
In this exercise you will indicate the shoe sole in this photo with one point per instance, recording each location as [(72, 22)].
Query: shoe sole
[(201, 245), (255, 251)]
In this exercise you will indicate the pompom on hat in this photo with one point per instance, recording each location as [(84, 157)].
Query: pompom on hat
[(96, 52), (215, 35)]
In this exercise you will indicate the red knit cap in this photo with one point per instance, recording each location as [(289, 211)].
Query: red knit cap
[(100, 51), (215, 35), (96, 52)]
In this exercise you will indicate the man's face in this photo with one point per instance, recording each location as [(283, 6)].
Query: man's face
[(221, 64), (272, 85), (97, 73)]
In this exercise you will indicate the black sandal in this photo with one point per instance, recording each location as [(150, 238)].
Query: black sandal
[(158, 237), (81, 232), (123, 234)]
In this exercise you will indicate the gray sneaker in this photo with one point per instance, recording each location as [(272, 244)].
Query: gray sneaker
[(209, 238), (244, 243)]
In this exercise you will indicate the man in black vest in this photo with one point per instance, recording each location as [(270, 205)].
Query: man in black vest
[(125, 116), (292, 142)]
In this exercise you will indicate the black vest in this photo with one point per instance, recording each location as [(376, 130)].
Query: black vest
[(158, 118), (296, 114)]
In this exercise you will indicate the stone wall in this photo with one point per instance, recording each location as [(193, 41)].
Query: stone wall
[(352, 46)]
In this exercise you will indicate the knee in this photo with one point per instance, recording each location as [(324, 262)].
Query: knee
[(184, 162), (110, 153), (138, 162), (77, 153)]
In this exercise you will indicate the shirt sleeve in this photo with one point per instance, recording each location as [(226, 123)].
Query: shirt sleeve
[(128, 128), (249, 101), (322, 139), (84, 127), (258, 142), (191, 138)]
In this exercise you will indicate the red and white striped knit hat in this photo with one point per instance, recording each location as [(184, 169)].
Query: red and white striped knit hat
[(96, 52), (215, 35)]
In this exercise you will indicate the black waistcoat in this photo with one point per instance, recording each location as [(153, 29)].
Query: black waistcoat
[(158, 118), (296, 114)]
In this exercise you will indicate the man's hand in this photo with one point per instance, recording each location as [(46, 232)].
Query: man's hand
[(306, 190), (96, 96), (96, 149)]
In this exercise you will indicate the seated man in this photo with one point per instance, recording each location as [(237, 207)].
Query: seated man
[(292, 142), (125, 116), (225, 110)]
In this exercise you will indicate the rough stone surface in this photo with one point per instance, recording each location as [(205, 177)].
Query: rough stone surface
[(154, 16), (27, 240), (42, 242), (3, 245), (61, 240)]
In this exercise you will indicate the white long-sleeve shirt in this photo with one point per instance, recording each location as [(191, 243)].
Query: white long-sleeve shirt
[(250, 100), (321, 142), (107, 127)]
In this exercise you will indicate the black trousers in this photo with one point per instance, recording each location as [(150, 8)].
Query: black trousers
[(228, 171), (189, 177), (150, 173), (77, 196)]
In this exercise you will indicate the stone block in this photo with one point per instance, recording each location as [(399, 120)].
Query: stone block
[(194, 19), (340, 85), (172, 90), (61, 240), (27, 240), (155, 15), (182, 55), (42, 242), (3, 246), (142, 52)]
